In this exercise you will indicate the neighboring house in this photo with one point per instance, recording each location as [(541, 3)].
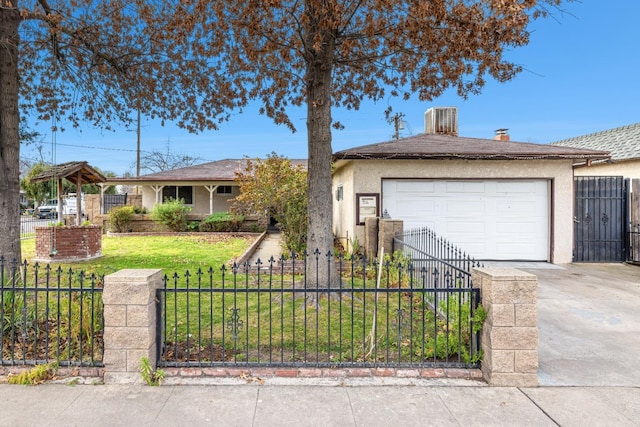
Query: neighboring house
[(495, 199), (206, 188), (623, 143)]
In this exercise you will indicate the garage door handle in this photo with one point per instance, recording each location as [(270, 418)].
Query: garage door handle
[(575, 219)]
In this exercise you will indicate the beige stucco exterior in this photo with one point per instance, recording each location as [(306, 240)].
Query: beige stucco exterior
[(365, 176), (627, 169), (201, 198)]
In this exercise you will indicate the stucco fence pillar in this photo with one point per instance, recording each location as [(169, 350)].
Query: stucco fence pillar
[(510, 332), (129, 298)]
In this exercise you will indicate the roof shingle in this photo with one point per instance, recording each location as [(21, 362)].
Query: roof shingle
[(429, 146), (219, 170), (623, 142)]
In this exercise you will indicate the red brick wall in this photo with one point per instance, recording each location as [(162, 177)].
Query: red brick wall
[(70, 243)]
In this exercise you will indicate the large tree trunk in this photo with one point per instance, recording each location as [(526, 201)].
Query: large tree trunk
[(320, 271), (9, 136)]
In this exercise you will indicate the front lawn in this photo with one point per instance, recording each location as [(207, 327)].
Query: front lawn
[(176, 253)]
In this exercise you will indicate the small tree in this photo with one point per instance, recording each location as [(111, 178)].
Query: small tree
[(276, 187), (36, 191), (172, 213)]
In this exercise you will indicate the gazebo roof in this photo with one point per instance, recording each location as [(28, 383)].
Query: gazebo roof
[(71, 171)]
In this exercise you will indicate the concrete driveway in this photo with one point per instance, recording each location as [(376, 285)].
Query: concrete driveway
[(589, 324)]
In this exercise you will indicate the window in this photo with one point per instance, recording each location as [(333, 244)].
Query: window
[(224, 189), (178, 192), (339, 193)]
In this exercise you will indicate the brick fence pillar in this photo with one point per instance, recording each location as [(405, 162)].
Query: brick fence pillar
[(510, 332), (129, 323)]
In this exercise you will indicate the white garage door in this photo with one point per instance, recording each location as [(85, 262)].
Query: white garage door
[(489, 219)]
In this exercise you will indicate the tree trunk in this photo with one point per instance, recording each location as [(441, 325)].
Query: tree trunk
[(9, 135), (321, 271)]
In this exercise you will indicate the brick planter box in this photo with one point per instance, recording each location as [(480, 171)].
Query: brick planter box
[(69, 243)]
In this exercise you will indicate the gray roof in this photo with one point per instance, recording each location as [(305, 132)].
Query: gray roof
[(430, 146), (623, 143), (71, 171), (219, 170)]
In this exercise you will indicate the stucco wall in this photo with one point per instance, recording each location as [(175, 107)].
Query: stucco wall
[(365, 176), (221, 202), (344, 213), (628, 169)]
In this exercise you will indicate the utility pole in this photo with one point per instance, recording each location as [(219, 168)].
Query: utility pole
[(398, 124), (138, 150)]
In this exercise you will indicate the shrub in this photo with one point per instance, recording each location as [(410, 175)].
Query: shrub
[(120, 217), (139, 210), (222, 221), (277, 188), (172, 214)]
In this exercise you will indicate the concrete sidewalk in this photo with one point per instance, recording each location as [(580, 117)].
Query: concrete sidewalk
[(254, 405), (268, 247)]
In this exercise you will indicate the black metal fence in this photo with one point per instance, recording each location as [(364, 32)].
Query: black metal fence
[(429, 252), (375, 315), (110, 201), (49, 315)]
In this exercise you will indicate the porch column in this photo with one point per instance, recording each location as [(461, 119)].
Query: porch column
[(158, 190), (79, 199), (59, 214), (211, 189), (101, 184)]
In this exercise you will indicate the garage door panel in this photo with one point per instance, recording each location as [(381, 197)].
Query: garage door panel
[(478, 228), (517, 208), (414, 187), (465, 187), (409, 208), (461, 209), (519, 187), (517, 230), (489, 219)]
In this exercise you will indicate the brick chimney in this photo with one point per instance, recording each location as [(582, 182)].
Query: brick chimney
[(501, 135)]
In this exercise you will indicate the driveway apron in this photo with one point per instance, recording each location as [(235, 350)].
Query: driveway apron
[(589, 325)]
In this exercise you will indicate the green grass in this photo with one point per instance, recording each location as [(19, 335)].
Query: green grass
[(67, 324), (169, 253), (277, 324)]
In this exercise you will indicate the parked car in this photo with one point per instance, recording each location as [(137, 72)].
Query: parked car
[(47, 212)]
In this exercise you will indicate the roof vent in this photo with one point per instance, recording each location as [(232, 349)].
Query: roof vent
[(441, 120)]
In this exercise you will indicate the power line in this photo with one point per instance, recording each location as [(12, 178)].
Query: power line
[(101, 148)]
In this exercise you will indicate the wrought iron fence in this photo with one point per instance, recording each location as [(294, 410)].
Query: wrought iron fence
[(375, 315), (28, 224), (49, 315), (430, 252), (110, 201)]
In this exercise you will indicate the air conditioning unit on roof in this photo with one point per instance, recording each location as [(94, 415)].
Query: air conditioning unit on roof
[(441, 120)]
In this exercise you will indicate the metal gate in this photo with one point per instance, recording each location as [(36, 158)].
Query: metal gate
[(113, 200), (600, 218)]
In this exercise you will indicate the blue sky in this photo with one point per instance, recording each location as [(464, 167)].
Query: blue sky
[(581, 76)]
